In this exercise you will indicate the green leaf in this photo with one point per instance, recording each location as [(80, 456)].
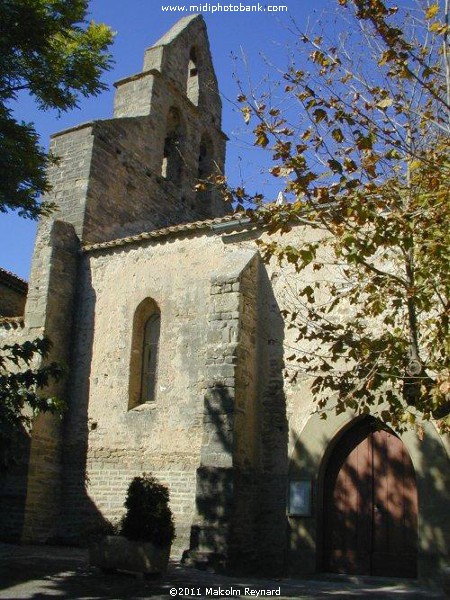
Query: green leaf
[(21, 386), (309, 293), (50, 50), (364, 142)]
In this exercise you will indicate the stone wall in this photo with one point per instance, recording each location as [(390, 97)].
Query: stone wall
[(12, 302), (69, 177), (108, 181), (224, 422), (49, 312), (106, 444), (271, 523), (247, 425), (30, 490), (211, 538), (170, 56), (164, 85)]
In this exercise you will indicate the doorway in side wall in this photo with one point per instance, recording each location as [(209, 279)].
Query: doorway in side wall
[(370, 504)]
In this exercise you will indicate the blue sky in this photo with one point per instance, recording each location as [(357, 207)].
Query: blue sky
[(261, 37)]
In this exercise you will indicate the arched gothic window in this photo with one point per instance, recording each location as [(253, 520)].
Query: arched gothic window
[(192, 90), (144, 353), (172, 157)]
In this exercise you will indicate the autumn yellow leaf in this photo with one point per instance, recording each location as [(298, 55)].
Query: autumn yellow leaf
[(246, 111), (262, 140), (438, 27), (432, 11), (385, 103)]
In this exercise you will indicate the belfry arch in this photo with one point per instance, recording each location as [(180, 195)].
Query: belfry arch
[(172, 161), (193, 85)]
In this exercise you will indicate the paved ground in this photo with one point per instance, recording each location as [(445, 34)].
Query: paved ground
[(34, 572)]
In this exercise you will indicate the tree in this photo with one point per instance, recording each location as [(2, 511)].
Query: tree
[(21, 383), (365, 160), (47, 49)]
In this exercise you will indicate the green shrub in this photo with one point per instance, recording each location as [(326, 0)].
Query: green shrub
[(148, 517)]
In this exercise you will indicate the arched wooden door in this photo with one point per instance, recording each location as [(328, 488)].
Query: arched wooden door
[(370, 505)]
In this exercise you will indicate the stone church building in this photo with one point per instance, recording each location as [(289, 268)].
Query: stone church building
[(157, 299)]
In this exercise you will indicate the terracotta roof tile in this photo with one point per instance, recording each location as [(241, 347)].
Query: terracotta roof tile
[(14, 281), (14, 322), (240, 219)]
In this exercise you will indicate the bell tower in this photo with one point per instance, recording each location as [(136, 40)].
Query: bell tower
[(177, 92), (138, 171)]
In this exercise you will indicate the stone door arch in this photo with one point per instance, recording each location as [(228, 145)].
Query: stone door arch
[(370, 504)]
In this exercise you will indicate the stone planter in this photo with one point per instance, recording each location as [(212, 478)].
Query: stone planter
[(116, 553)]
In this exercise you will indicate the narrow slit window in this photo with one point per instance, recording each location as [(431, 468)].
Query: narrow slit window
[(192, 91), (171, 166), (205, 167)]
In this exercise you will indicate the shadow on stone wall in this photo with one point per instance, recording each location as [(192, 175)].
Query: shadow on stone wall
[(27, 485), (80, 517), (433, 485), (271, 520), (215, 485), (13, 489), (302, 532), (241, 483)]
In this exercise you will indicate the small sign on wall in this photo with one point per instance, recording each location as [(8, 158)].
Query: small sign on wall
[(300, 498)]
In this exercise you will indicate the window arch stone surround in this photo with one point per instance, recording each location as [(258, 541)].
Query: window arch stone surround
[(144, 353)]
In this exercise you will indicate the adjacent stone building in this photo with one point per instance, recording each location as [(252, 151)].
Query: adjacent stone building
[(171, 325), (13, 294)]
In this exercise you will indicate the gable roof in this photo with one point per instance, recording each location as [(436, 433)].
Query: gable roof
[(176, 29)]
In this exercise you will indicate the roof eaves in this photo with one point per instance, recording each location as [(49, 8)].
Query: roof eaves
[(13, 281), (12, 322), (216, 225)]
